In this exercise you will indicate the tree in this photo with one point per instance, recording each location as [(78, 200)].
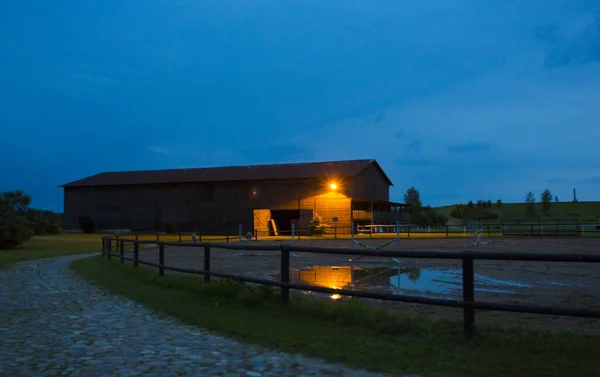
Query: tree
[(14, 229), (470, 204), (489, 204), (546, 200), (556, 199), (413, 198), (530, 203), (498, 203)]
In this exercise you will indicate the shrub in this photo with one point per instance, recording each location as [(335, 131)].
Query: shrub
[(316, 226), (86, 224), (14, 230)]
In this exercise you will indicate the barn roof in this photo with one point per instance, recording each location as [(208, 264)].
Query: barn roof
[(338, 169)]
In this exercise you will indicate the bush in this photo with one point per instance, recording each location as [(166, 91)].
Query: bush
[(45, 225), (86, 224), (14, 230), (316, 226)]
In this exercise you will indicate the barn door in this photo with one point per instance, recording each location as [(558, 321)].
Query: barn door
[(261, 221)]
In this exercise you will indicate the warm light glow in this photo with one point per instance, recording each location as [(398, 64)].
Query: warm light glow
[(335, 297), (333, 186)]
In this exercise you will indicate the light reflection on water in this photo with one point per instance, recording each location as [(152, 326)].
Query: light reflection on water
[(399, 280)]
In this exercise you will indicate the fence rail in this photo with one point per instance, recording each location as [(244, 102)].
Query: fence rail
[(404, 230), (468, 303)]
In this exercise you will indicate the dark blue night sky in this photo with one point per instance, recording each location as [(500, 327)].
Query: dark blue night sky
[(462, 99)]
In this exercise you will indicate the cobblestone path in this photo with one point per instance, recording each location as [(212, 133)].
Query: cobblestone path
[(53, 323)]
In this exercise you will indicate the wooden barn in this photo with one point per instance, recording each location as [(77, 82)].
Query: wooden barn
[(265, 198)]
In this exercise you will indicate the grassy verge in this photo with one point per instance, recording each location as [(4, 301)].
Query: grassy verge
[(349, 332), (47, 246)]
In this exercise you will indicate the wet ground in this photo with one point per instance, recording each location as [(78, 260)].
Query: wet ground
[(533, 283)]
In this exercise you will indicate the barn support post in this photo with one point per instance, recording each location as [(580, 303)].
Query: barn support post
[(468, 281), (206, 264), (285, 273), (161, 259), (122, 251)]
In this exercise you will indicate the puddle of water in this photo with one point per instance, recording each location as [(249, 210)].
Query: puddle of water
[(398, 279)]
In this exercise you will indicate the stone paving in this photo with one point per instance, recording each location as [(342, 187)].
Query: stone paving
[(53, 323)]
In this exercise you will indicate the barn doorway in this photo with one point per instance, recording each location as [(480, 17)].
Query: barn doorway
[(278, 222)]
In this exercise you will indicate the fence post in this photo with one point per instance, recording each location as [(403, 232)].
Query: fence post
[(161, 259), (136, 253), (199, 237), (179, 237), (103, 246), (468, 282), (109, 248), (157, 237), (227, 235), (408, 231), (256, 234), (285, 273), (206, 264), (446, 231), (122, 251)]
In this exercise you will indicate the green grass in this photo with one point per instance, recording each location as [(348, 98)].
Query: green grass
[(349, 332), (48, 246), (580, 212)]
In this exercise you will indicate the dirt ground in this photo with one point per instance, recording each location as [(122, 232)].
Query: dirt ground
[(556, 284)]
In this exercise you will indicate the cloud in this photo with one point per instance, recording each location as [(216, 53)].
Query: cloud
[(161, 150), (592, 180), (379, 117), (571, 43), (399, 134), (273, 154), (414, 146), (415, 162), (92, 78), (471, 147)]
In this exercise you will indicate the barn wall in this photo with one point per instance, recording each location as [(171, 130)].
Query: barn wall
[(370, 184), (214, 207)]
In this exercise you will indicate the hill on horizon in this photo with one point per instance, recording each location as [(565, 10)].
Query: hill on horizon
[(563, 212)]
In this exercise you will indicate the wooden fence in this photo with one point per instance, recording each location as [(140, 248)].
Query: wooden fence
[(468, 303)]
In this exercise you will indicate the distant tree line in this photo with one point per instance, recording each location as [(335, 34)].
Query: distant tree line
[(422, 215), (481, 210), (545, 199)]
